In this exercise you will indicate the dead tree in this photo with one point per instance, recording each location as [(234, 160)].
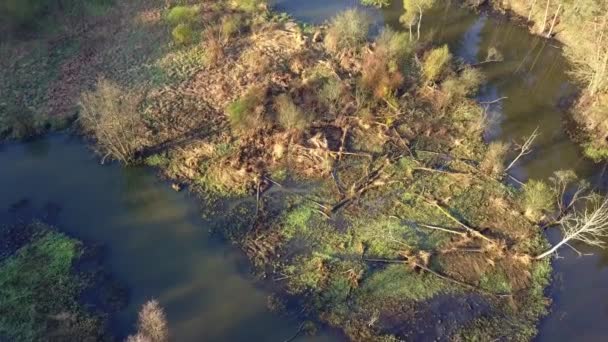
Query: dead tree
[(589, 226)]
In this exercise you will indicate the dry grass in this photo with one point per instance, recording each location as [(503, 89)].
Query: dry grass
[(493, 163), (246, 114), (289, 115)]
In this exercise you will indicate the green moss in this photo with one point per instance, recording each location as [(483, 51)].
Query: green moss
[(297, 221), (385, 237)]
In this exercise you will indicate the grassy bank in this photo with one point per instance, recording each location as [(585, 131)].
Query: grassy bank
[(582, 26)]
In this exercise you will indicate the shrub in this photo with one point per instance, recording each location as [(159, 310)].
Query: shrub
[(594, 152), (537, 197), (493, 161), (376, 3), (248, 5), (396, 45), (246, 114), (347, 31), (214, 45), (289, 115), (183, 15), (378, 76), (231, 25), (183, 34), (110, 114), (592, 114), (382, 71), (151, 324), (411, 11), (435, 62), (331, 92), (466, 84)]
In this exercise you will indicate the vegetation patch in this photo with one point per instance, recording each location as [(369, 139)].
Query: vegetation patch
[(40, 290)]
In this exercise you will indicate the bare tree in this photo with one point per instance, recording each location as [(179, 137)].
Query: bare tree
[(151, 325), (589, 226), (110, 114)]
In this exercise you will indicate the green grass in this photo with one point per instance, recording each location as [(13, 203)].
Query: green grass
[(183, 15), (38, 292), (397, 282), (495, 282), (183, 34)]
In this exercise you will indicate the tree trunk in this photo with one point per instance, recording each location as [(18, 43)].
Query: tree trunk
[(554, 19), (552, 249), (419, 22), (531, 9), (546, 15)]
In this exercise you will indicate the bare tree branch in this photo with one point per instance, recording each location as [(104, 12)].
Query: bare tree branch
[(524, 149)]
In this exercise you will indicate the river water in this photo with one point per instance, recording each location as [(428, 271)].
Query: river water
[(155, 242), (159, 247)]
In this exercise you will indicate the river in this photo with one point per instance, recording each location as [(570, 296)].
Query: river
[(155, 241), (159, 246)]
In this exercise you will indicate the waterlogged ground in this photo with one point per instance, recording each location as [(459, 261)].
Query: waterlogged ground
[(534, 82), (154, 240)]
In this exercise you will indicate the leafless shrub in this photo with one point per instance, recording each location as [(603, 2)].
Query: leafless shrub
[(110, 114), (151, 325)]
